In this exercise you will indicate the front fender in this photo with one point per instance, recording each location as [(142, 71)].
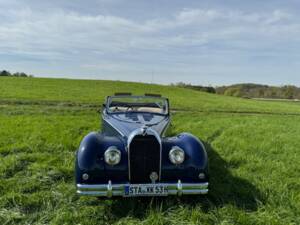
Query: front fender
[(196, 160), (90, 159)]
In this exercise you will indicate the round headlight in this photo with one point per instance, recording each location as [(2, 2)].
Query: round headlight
[(112, 156), (176, 155)]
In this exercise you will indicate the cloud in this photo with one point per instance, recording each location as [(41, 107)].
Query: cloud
[(63, 31), (194, 15)]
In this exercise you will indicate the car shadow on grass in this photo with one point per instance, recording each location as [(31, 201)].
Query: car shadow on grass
[(224, 188)]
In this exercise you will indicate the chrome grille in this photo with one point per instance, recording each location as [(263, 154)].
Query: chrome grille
[(144, 158)]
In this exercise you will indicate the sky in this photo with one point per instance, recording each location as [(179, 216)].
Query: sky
[(167, 41)]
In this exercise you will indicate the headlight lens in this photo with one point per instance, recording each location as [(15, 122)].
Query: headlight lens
[(176, 155), (112, 156)]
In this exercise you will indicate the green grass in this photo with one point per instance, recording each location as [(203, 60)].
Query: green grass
[(91, 92), (253, 150)]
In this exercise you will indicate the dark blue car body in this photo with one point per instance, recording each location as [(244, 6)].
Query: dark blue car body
[(144, 150)]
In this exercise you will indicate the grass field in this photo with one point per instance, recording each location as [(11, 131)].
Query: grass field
[(253, 148)]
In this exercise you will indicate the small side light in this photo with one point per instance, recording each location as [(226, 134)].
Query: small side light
[(201, 176), (85, 176), (153, 177)]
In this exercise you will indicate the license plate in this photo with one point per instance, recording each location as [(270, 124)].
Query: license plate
[(145, 190)]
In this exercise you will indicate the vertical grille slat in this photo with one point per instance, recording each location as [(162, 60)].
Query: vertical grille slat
[(144, 155)]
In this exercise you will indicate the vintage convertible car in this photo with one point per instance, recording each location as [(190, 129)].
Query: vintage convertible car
[(132, 157)]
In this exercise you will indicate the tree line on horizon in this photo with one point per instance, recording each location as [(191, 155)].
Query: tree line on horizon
[(5, 73), (244, 90), (249, 90)]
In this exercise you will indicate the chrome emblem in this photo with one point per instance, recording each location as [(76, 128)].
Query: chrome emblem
[(144, 130), (153, 177)]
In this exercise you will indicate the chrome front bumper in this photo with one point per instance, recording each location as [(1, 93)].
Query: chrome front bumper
[(109, 190)]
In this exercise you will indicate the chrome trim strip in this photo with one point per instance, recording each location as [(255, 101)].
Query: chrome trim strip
[(179, 187), (109, 190), (144, 131), (166, 128)]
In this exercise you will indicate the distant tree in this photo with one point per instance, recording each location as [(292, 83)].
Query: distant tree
[(260, 91), (23, 75), (234, 91), (209, 89), (196, 87), (181, 84), (220, 90), (16, 74), (288, 91), (249, 90), (5, 73)]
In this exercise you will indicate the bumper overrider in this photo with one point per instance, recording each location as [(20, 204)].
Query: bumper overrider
[(109, 189)]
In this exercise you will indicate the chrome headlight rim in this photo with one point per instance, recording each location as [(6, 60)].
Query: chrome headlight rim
[(112, 156), (174, 155)]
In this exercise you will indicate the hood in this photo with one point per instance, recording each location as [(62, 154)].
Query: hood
[(125, 123)]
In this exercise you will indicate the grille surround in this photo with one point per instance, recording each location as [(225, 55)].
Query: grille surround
[(144, 156)]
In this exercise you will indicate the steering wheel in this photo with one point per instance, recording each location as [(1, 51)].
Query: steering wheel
[(116, 109), (129, 107)]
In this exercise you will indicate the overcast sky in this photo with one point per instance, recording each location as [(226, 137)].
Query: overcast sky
[(201, 42)]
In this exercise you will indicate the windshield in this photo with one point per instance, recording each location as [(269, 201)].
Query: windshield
[(117, 104)]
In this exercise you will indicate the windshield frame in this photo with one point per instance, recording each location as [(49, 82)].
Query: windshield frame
[(110, 98)]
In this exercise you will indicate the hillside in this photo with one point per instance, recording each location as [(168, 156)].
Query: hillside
[(260, 91), (249, 90), (94, 92), (253, 150)]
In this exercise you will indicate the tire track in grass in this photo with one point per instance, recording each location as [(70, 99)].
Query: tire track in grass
[(60, 105)]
